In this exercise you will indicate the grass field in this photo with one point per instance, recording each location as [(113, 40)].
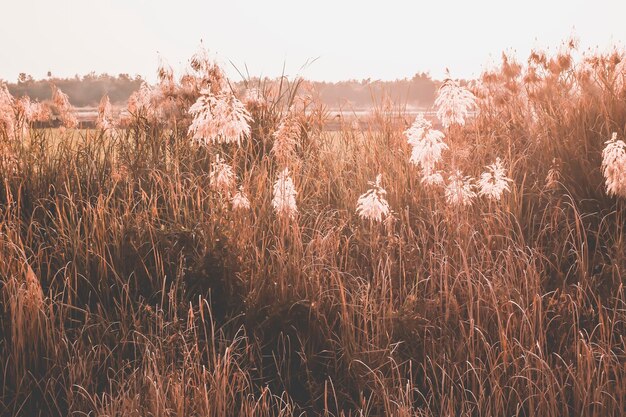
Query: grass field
[(133, 284)]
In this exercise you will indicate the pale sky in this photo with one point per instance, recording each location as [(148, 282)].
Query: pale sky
[(350, 39)]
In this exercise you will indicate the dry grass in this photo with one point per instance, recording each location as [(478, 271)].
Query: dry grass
[(129, 288)]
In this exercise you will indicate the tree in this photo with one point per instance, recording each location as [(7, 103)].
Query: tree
[(24, 78)]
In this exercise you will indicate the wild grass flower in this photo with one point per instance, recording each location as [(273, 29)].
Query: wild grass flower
[(416, 131), (284, 201), (222, 176), (23, 108), (620, 74), (427, 143), (453, 102), (140, 101), (554, 175), (23, 112), (614, 166), (31, 111), (208, 73), (240, 200), (286, 138), (105, 117), (66, 112), (460, 190), (494, 182), (165, 74), (390, 222), (372, 205), (200, 61), (253, 98), (432, 179), (9, 162), (39, 112), (219, 119), (7, 114), (34, 293)]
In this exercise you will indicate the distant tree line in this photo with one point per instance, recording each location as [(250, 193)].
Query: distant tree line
[(86, 91), (83, 91), (418, 91)]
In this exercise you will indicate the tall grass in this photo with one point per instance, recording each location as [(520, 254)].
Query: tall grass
[(131, 287)]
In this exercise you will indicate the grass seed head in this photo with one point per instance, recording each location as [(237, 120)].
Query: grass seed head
[(460, 190), (614, 166), (372, 205), (453, 102), (494, 182), (284, 200)]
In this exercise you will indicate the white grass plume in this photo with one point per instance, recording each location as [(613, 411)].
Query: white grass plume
[(427, 144), (453, 102), (286, 138), (222, 176), (284, 200), (240, 200), (66, 111), (219, 119), (372, 205), (7, 114), (494, 182), (460, 190), (105, 116), (614, 166), (140, 101)]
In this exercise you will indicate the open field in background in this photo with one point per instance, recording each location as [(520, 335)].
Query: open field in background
[(335, 120), (135, 281)]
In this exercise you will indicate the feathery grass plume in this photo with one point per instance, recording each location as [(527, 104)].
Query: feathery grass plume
[(427, 143), (39, 112), (240, 200), (31, 111), (219, 119), (208, 73), (620, 74), (25, 309), (165, 74), (614, 166), (222, 176), (65, 109), (284, 200), (554, 175), (253, 98), (189, 85), (34, 292), (453, 102), (9, 162), (372, 205), (218, 116), (140, 101), (432, 179), (207, 69), (286, 138), (200, 61), (7, 114), (23, 108), (105, 117), (460, 190), (494, 182)]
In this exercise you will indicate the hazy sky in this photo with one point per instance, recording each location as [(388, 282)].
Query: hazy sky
[(351, 39)]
